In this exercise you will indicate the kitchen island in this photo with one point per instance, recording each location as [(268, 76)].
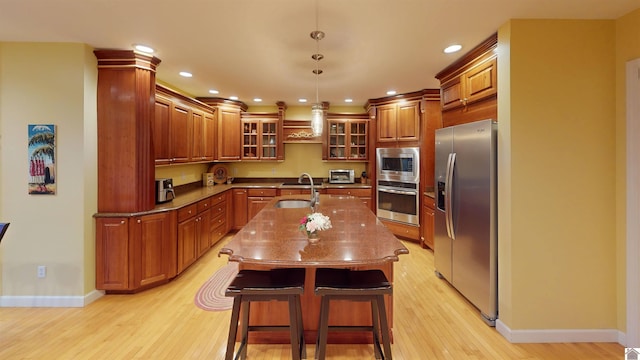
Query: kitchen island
[(357, 240)]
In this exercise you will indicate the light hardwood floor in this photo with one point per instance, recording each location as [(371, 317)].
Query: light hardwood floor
[(431, 321)]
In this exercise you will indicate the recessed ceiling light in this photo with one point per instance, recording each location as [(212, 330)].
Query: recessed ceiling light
[(144, 48), (233, 97), (348, 100), (302, 100), (452, 48), (186, 74), (391, 92), (214, 91), (257, 99)]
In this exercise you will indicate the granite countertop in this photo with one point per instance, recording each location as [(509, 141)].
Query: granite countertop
[(194, 195), (356, 238)]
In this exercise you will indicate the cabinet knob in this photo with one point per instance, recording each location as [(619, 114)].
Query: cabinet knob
[(139, 221), (122, 222)]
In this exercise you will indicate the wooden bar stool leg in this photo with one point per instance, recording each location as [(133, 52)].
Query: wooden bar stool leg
[(321, 343), (246, 307), (384, 327), (303, 352), (293, 328), (375, 331), (233, 328)]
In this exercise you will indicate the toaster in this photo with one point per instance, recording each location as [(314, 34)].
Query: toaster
[(164, 190)]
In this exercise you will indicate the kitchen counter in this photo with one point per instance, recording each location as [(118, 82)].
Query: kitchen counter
[(357, 240)]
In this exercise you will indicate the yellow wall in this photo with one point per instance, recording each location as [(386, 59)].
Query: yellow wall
[(627, 48), (45, 83), (560, 126)]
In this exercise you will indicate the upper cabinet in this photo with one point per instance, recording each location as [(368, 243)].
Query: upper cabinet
[(398, 122), (228, 128), (262, 135), (469, 86), (183, 129), (346, 137)]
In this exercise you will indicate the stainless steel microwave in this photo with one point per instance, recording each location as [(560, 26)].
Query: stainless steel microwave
[(398, 164)]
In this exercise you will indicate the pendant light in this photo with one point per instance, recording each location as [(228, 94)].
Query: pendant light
[(317, 109)]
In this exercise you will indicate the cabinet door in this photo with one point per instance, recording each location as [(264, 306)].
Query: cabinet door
[(203, 232), (153, 248), (161, 131), (209, 136), (451, 94), (427, 224), (338, 139), (197, 142), (250, 136), (255, 204), (480, 81), (180, 134), (408, 121), (112, 254), (228, 135), (269, 139), (239, 208), (187, 243), (358, 136), (386, 118)]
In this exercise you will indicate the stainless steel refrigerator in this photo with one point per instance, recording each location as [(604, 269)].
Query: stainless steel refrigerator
[(465, 250)]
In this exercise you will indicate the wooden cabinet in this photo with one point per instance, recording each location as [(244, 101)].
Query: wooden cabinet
[(135, 253), (347, 139), (427, 221), (193, 232), (469, 86), (398, 122), (363, 194), (228, 134), (261, 139), (257, 199), (183, 129), (239, 208), (220, 216)]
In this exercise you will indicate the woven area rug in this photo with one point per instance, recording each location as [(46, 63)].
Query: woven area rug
[(210, 296)]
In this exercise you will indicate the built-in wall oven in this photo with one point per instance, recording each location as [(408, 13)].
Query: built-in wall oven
[(398, 181)]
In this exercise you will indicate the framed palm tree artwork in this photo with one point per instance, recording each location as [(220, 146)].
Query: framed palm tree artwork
[(42, 159)]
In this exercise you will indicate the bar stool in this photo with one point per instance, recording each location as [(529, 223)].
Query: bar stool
[(258, 285), (361, 285)]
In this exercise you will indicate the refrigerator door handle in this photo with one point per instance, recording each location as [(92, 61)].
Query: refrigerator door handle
[(449, 196)]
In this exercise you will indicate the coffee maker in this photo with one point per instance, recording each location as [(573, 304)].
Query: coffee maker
[(164, 190)]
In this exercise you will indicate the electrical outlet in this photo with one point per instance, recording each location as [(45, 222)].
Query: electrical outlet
[(42, 271), (273, 170)]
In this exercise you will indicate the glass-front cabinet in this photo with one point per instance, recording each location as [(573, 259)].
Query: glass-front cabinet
[(347, 139), (260, 140)]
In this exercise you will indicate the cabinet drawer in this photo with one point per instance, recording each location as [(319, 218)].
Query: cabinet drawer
[(217, 233), (429, 202), (216, 199), (262, 192), (218, 209), (218, 221), (187, 212), (293, 191), (352, 192), (204, 204)]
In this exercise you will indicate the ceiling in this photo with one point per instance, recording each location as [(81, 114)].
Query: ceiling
[(260, 48)]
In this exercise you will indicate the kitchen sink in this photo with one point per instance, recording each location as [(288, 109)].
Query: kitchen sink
[(293, 204)]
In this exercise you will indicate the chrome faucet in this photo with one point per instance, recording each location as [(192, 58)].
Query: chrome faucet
[(313, 190)]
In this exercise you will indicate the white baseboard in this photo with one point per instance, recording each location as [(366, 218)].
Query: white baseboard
[(559, 335), (50, 301)]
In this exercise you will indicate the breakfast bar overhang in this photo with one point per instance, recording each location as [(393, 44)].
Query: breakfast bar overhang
[(357, 241)]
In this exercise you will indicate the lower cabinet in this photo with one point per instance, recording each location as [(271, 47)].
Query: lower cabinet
[(362, 194), (257, 199), (135, 252), (220, 221), (239, 208), (193, 233), (428, 213)]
